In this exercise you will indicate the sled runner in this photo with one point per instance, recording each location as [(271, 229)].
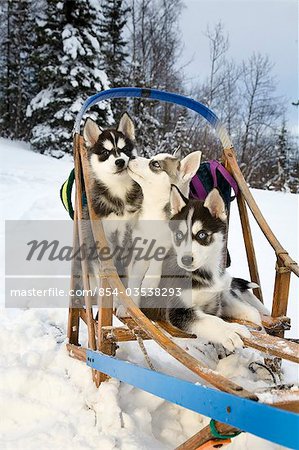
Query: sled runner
[(233, 407)]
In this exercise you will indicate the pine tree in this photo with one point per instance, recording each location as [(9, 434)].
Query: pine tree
[(68, 66), (112, 41), (282, 161), (280, 170), (15, 76), (179, 138)]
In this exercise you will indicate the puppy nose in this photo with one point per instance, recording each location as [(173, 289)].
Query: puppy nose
[(120, 163), (187, 260)]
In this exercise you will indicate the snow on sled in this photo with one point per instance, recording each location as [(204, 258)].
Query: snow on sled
[(232, 407)]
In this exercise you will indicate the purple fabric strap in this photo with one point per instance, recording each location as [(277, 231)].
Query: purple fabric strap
[(215, 165), (201, 193), (198, 187)]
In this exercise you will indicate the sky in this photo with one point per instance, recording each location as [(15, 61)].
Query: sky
[(266, 26)]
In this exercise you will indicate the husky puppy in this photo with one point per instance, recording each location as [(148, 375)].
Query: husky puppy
[(198, 234), (155, 177), (116, 197), (114, 193)]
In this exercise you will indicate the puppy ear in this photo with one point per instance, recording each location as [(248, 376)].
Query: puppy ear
[(91, 132), (126, 126), (189, 165), (215, 205), (177, 200)]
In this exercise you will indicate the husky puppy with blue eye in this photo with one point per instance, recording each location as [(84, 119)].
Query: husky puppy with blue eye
[(198, 234)]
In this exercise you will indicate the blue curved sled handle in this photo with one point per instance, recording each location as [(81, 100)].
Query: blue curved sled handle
[(155, 94)]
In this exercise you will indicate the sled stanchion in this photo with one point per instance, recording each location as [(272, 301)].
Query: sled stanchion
[(281, 292), (249, 246), (84, 269), (74, 314), (104, 319)]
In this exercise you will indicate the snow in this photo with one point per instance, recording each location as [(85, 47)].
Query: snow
[(41, 100), (71, 42), (50, 400)]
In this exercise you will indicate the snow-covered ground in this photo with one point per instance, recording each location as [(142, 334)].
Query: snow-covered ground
[(48, 399)]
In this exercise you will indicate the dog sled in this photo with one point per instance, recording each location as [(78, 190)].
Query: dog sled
[(233, 409)]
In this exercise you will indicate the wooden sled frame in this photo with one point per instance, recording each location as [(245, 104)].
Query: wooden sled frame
[(103, 337)]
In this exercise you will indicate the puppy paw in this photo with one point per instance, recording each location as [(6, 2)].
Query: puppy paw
[(230, 338)]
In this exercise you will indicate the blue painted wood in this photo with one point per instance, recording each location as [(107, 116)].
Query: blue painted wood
[(153, 94), (262, 420)]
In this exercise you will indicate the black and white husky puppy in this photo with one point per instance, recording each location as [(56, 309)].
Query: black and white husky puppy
[(116, 197), (198, 233), (114, 193)]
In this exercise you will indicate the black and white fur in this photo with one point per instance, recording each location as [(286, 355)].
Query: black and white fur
[(114, 193), (198, 232), (116, 197)]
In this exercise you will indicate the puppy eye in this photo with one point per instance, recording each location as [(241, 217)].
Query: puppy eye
[(179, 236), (155, 164), (202, 235), (106, 153)]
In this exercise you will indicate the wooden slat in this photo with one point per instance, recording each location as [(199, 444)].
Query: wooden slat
[(259, 340), (275, 324), (122, 334), (204, 436), (73, 326), (281, 397), (247, 235), (281, 292), (249, 246), (83, 315), (104, 319), (74, 316), (274, 346), (78, 223), (77, 352), (288, 405)]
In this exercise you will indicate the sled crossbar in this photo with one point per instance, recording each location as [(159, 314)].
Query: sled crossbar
[(269, 423), (156, 94)]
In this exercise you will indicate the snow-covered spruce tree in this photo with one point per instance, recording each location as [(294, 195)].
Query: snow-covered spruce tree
[(179, 139), (113, 46), (15, 76), (284, 170), (154, 47), (69, 67)]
